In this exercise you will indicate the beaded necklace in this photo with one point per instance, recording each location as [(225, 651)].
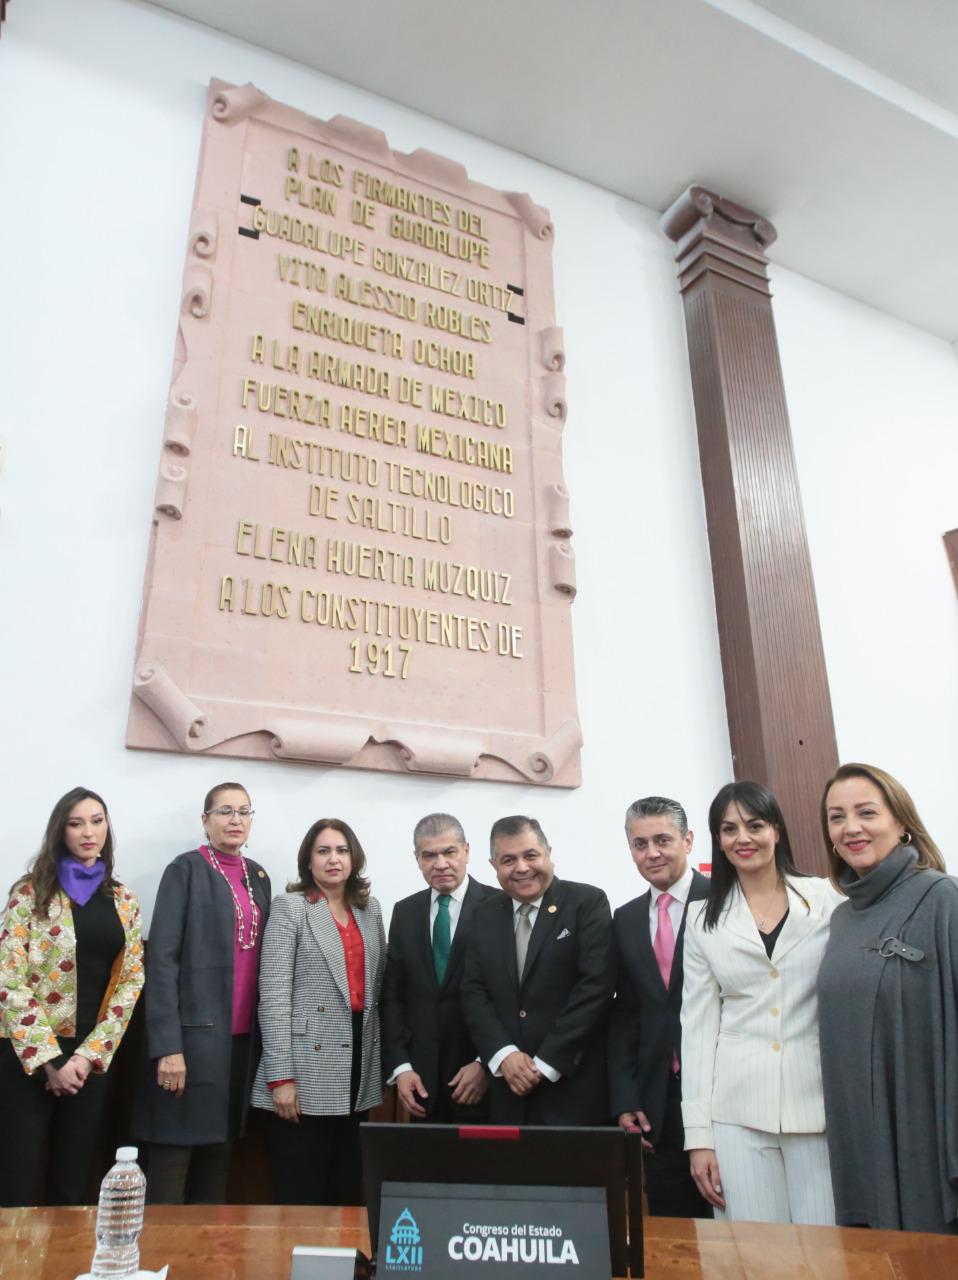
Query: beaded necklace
[(254, 910)]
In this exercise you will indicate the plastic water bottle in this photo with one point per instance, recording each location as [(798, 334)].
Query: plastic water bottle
[(119, 1219)]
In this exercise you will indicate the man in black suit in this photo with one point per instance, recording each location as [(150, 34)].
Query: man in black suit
[(645, 1031), (427, 1051), (538, 981)]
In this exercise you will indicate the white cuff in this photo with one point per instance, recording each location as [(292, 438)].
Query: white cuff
[(699, 1137), (497, 1059), (403, 1066), (550, 1073)]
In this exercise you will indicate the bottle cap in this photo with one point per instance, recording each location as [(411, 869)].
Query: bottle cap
[(127, 1153)]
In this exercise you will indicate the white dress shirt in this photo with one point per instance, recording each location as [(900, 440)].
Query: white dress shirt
[(497, 1059), (456, 897), (680, 895)]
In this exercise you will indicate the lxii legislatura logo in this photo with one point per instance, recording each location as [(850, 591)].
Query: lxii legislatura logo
[(403, 1251)]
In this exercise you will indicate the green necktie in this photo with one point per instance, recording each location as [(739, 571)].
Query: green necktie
[(440, 936)]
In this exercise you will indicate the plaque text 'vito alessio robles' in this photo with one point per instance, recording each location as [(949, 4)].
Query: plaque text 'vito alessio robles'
[(361, 521)]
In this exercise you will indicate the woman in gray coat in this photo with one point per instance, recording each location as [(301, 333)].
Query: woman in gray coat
[(202, 964), (323, 957), (888, 1006)]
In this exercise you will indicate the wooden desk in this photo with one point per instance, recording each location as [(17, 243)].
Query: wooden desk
[(253, 1242)]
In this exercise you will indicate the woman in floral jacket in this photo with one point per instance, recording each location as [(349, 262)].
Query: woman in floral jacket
[(71, 970)]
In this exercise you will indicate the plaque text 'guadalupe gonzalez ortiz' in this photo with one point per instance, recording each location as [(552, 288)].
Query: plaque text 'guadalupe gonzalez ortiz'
[(361, 534)]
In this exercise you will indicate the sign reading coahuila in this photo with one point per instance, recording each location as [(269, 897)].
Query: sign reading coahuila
[(440, 1232)]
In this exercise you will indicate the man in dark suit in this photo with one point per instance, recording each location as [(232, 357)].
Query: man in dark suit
[(427, 1051), (538, 981), (645, 1032)]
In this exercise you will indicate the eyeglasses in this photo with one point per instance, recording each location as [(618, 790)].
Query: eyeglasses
[(227, 811)]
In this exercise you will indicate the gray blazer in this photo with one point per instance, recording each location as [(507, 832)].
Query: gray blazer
[(189, 1002), (304, 1014)]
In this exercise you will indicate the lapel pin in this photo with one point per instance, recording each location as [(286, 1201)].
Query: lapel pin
[(552, 909), (261, 873)]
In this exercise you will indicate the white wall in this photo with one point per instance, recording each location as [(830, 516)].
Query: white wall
[(873, 407), (102, 108)]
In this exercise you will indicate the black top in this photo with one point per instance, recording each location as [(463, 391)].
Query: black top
[(772, 937), (99, 941)]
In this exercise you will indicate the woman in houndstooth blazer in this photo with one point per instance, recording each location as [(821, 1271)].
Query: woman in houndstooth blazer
[(323, 957), (751, 1075)]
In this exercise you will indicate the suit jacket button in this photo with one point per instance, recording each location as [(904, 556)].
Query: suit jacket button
[(773, 973), (522, 1013), (776, 1048), (317, 1047), (321, 1008)]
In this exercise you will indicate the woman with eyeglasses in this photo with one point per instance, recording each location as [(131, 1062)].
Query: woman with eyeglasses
[(323, 960), (71, 969), (202, 1041)]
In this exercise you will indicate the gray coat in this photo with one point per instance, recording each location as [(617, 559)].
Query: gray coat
[(189, 1001), (304, 1013), (889, 1041)]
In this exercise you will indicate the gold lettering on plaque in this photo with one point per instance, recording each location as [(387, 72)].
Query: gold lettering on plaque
[(310, 196), (464, 448), (362, 213), (322, 501), (243, 443)]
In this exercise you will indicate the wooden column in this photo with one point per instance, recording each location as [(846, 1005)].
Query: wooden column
[(776, 689)]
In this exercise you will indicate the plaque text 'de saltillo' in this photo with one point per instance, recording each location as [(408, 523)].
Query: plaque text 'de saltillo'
[(360, 549)]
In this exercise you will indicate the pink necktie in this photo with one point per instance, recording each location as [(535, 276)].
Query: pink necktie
[(664, 950), (664, 945)]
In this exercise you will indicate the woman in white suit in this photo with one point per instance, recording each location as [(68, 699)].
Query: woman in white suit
[(751, 1075), (323, 956)]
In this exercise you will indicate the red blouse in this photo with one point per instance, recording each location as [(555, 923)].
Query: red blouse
[(355, 962)]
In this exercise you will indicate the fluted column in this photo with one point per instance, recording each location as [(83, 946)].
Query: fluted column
[(776, 688)]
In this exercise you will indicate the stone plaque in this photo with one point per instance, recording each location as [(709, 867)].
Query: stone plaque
[(360, 549)]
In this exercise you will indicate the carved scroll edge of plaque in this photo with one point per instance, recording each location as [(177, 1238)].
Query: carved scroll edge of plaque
[(346, 740)]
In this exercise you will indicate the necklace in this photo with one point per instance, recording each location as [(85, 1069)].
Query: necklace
[(760, 919), (250, 943)]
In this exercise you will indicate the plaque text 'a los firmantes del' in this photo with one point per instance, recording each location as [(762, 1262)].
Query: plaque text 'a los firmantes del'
[(360, 549)]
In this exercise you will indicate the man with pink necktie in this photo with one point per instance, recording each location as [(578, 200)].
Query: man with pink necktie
[(645, 1031)]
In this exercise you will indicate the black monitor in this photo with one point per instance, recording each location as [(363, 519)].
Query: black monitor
[(491, 1155)]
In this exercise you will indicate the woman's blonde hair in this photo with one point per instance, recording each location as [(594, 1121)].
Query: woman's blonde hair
[(901, 805)]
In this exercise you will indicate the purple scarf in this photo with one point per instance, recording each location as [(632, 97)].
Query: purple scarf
[(78, 881)]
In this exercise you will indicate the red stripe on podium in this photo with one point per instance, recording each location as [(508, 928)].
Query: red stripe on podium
[(490, 1132)]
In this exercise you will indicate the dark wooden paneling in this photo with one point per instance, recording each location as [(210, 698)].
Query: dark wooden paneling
[(776, 688)]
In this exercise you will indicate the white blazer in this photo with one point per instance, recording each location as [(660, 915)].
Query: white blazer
[(749, 1023)]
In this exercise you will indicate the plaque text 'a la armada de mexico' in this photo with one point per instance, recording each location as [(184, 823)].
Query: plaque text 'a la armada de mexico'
[(360, 552)]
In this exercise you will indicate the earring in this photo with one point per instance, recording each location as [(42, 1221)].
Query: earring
[(835, 852), (906, 838)]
